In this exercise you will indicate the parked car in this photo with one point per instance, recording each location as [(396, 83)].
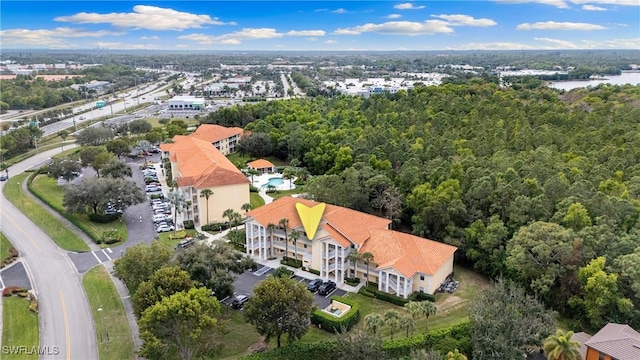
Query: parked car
[(326, 288), (186, 243), (314, 285), (164, 228), (158, 218), (3, 177), (154, 189), (239, 301)]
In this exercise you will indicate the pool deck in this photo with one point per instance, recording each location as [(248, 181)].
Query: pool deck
[(260, 180)]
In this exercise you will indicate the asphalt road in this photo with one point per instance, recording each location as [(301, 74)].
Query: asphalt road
[(65, 319)]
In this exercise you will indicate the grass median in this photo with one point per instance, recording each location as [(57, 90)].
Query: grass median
[(112, 327), (64, 237), (19, 329), (5, 248), (48, 190)]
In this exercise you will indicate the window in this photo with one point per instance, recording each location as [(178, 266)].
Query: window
[(422, 277), (305, 246), (421, 289), (601, 357)]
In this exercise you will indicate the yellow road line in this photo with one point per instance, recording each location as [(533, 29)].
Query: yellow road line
[(33, 242), (66, 325)]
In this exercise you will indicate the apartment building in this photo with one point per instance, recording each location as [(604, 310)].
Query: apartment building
[(225, 139)]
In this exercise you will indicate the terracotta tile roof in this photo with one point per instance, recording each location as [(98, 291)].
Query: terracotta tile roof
[(406, 253), (213, 133), (260, 164), (201, 165), (409, 254), (618, 341), (350, 223)]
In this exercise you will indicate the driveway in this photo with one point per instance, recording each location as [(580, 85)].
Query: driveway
[(15, 275)]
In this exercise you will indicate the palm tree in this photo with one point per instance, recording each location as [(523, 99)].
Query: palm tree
[(229, 215), (392, 319), (421, 308), (408, 323), (270, 228), (560, 346), (288, 174), (63, 135), (177, 199), (246, 207), (373, 322), (187, 206), (205, 194), (353, 257), (367, 258), (252, 172), (284, 222), (295, 235)]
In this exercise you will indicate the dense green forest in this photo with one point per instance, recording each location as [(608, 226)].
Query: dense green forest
[(533, 185)]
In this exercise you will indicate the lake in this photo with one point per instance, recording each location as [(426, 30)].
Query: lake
[(630, 77)]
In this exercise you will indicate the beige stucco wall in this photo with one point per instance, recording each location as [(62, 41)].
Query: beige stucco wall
[(223, 198), (432, 282)]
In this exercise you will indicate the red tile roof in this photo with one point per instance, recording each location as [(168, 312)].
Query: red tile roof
[(407, 253), (260, 164), (213, 133), (616, 340), (202, 165)]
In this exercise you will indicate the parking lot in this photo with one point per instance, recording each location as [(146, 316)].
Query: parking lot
[(247, 281)]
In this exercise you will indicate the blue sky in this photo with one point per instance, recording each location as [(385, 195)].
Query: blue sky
[(322, 25)]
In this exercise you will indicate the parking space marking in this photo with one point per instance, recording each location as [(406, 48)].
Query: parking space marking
[(110, 251), (97, 258), (330, 293), (105, 254)]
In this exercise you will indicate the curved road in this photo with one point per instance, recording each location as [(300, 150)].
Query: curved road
[(66, 323)]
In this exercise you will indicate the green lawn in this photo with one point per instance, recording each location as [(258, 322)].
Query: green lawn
[(165, 238), (5, 248), (48, 190), (64, 237), (19, 327), (256, 200), (236, 158), (112, 328)]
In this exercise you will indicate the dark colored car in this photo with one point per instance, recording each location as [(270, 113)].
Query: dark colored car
[(239, 300), (326, 288), (314, 285)]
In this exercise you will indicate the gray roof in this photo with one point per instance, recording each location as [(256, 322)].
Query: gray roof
[(582, 338), (618, 341)]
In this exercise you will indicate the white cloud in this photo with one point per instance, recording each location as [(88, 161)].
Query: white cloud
[(320, 10), (312, 39), (557, 3), (399, 28), (149, 38), (330, 42), (146, 17), (557, 43), (340, 11), (593, 8), (122, 45), (49, 37), (552, 25), (633, 43), (465, 20), (493, 46), (306, 33), (608, 2), (408, 6), (393, 16)]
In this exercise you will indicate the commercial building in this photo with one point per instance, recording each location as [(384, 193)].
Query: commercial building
[(186, 103), (206, 177), (325, 235)]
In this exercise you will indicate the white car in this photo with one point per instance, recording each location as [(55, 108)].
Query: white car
[(164, 228)]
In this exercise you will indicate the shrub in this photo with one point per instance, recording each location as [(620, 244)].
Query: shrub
[(296, 351), (291, 262), (103, 218), (110, 237), (396, 300), (364, 291), (253, 189), (282, 272), (178, 235), (334, 324), (314, 271), (352, 281), (189, 224), (33, 303), (156, 196), (421, 296), (215, 227), (12, 290)]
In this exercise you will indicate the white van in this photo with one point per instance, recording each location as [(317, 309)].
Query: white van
[(159, 218)]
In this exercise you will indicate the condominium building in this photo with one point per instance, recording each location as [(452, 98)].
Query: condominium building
[(321, 236), (225, 139)]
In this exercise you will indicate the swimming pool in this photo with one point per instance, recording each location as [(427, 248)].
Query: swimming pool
[(274, 181)]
